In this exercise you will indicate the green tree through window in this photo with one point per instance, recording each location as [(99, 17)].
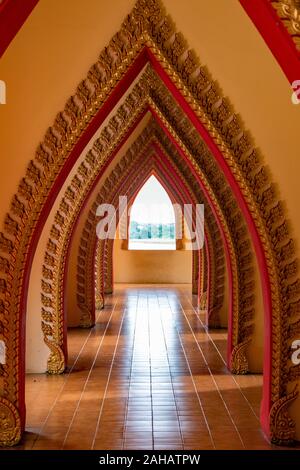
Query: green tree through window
[(152, 219)]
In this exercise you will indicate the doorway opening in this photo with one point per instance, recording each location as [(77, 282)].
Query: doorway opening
[(152, 219)]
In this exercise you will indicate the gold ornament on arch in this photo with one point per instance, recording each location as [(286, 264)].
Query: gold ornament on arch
[(215, 112)]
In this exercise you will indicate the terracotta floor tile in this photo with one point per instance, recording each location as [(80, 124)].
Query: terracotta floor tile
[(148, 374)]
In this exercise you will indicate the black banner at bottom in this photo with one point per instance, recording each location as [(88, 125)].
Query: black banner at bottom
[(135, 459)]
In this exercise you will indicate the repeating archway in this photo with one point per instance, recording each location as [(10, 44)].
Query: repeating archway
[(213, 238), (135, 159), (149, 35), (175, 195), (109, 185), (156, 169), (218, 256), (240, 321)]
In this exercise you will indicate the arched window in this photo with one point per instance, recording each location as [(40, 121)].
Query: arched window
[(152, 219)]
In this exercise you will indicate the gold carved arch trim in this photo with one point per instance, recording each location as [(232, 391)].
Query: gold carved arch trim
[(217, 257), (66, 216), (85, 288), (215, 243), (141, 172), (148, 25), (289, 13), (239, 236)]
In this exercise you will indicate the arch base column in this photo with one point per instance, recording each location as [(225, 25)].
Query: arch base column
[(56, 363), (282, 426), (213, 318), (108, 290), (10, 424), (238, 361), (86, 318), (99, 302)]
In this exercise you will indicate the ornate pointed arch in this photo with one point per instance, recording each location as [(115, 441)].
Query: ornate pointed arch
[(148, 35), (244, 272), (109, 243), (154, 167), (213, 239), (138, 177)]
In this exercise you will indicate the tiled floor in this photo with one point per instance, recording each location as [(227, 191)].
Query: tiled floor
[(148, 376)]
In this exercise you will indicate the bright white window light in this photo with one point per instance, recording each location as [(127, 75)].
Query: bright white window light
[(152, 219)]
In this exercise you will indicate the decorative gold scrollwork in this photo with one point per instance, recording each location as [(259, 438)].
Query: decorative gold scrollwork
[(142, 27), (10, 423), (238, 360), (56, 361), (282, 426), (289, 13)]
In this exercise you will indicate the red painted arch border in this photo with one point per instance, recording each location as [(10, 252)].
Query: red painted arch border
[(13, 14), (157, 149), (156, 168), (275, 35), (164, 178), (116, 94)]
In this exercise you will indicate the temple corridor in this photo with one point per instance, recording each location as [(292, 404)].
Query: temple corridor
[(149, 243), (147, 376)]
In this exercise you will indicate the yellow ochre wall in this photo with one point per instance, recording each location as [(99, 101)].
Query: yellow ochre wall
[(144, 267)]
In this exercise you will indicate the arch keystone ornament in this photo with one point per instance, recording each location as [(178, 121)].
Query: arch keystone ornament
[(148, 37)]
